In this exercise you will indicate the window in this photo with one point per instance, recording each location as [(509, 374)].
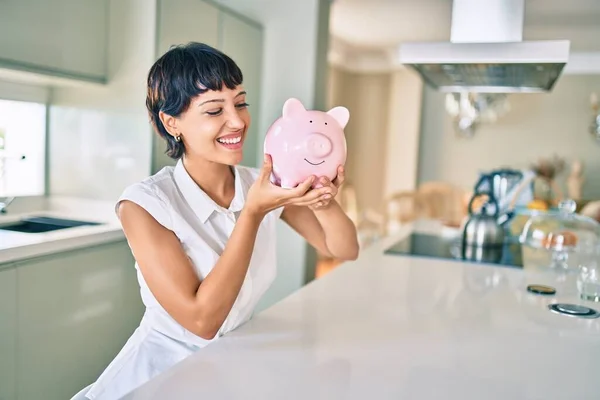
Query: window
[(22, 148)]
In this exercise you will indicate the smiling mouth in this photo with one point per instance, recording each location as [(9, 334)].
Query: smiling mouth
[(314, 163), (230, 139)]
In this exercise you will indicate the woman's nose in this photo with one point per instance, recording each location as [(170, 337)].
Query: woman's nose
[(234, 120)]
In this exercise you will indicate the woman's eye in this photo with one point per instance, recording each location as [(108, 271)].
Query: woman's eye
[(242, 105), (215, 112)]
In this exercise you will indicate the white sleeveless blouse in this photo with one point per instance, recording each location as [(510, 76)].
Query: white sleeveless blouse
[(203, 228)]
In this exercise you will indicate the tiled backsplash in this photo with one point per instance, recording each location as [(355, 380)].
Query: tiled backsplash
[(96, 154)]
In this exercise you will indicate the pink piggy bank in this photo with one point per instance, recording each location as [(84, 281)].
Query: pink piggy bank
[(306, 142)]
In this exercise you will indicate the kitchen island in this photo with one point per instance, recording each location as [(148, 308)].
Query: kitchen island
[(399, 327)]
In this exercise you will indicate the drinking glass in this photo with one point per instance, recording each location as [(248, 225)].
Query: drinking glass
[(588, 280)]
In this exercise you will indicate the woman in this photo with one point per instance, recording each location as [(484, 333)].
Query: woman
[(203, 232)]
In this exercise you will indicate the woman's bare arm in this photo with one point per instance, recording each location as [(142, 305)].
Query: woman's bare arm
[(200, 307)]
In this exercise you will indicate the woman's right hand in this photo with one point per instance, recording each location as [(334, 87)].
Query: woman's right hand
[(263, 196)]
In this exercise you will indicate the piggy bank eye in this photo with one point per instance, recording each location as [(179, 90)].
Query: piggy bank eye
[(311, 122), (325, 123)]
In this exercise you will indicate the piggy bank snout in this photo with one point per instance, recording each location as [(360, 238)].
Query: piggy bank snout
[(318, 145)]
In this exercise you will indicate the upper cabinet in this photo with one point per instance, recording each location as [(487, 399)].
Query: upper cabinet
[(180, 22), (183, 21), (241, 40), (60, 38)]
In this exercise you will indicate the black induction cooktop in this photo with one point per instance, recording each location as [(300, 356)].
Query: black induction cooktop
[(435, 246)]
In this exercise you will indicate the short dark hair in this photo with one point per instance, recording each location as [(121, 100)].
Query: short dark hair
[(182, 73)]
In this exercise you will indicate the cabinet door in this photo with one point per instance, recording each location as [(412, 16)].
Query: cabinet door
[(242, 41), (76, 311), (59, 37), (181, 22), (8, 333)]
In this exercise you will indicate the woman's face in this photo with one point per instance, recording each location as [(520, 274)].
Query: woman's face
[(214, 126)]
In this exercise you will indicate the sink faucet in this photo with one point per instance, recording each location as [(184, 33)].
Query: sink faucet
[(5, 203)]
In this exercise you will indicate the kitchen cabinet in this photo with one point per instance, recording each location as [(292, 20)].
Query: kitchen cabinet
[(8, 333), (64, 38), (183, 21), (180, 22), (242, 39), (76, 311)]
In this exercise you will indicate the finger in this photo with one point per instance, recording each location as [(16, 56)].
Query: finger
[(311, 204), (327, 196), (334, 190), (313, 195), (320, 204), (325, 181), (341, 176), (301, 188), (267, 168)]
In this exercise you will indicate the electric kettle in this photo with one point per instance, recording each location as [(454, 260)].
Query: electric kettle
[(508, 187)]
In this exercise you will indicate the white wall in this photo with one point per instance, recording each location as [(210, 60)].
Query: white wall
[(367, 98), (100, 138), (289, 56), (538, 125), (403, 132), (383, 131)]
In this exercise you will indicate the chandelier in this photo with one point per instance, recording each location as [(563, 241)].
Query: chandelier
[(469, 110)]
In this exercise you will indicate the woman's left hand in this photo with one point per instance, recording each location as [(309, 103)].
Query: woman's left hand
[(333, 185)]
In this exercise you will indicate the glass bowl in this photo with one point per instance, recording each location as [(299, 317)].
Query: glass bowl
[(561, 233)]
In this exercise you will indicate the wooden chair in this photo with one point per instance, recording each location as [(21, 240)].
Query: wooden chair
[(401, 208), (443, 201)]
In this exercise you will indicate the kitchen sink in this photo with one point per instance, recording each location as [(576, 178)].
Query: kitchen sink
[(43, 224)]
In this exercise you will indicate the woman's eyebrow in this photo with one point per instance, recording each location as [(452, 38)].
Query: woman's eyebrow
[(220, 100)]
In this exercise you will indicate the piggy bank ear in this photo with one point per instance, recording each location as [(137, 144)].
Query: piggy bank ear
[(341, 115), (293, 107)]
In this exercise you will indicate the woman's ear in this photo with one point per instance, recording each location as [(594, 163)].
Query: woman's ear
[(169, 122)]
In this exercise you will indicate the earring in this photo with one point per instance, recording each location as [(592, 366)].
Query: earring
[(178, 138)]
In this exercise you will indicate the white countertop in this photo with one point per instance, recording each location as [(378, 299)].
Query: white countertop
[(399, 327), (15, 246)]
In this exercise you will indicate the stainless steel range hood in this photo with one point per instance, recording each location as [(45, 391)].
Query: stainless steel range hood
[(486, 52)]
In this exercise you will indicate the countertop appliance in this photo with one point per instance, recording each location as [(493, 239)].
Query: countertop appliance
[(509, 187), (438, 246)]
